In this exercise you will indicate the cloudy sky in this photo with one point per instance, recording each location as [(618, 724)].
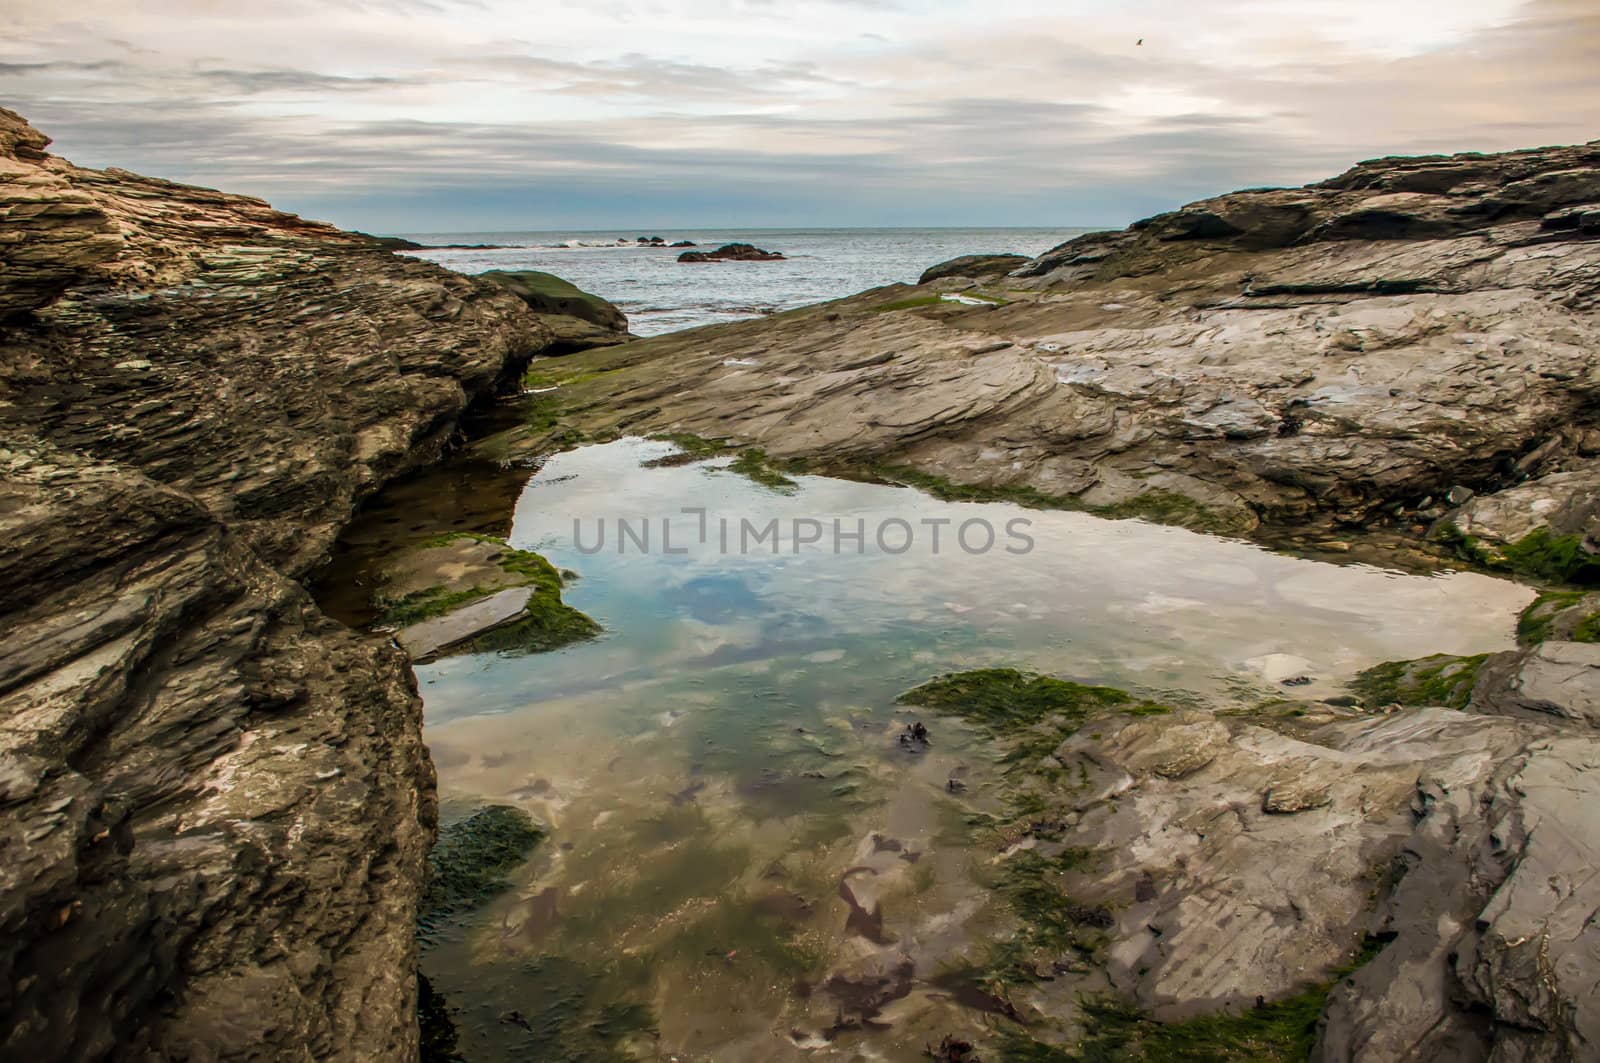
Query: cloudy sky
[(439, 115)]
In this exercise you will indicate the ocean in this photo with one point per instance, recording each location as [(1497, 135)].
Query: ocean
[(659, 294)]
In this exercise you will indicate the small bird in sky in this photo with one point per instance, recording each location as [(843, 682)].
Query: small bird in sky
[(1138, 42)]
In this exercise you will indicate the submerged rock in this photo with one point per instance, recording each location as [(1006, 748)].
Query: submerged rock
[(1419, 878)]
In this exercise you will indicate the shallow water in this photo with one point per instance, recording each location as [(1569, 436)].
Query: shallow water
[(742, 856)]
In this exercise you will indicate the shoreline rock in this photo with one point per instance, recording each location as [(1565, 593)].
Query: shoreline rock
[(577, 320), (1333, 358), (215, 804)]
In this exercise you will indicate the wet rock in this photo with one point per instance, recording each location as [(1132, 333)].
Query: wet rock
[(1554, 678), (732, 253)]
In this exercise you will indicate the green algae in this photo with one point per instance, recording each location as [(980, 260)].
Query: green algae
[(1154, 505), (906, 304), (547, 622), (1441, 679), (1006, 701), (1539, 555), (757, 467), (1541, 619), (1280, 1031), (427, 604), (469, 863)]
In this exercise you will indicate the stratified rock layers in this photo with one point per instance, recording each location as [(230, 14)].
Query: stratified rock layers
[(214, 802), (1346, 352)]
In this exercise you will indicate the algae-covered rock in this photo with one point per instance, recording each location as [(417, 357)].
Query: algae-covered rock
[(577, 320), (469, 863), (1441, 679), (473, 592)]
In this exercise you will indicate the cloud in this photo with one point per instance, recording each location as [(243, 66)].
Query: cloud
[(480, 112)]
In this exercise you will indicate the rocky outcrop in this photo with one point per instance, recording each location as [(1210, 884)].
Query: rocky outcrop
[(576, 319), (975, 266), (1408, 884), (214, 802), (732, 253), (1344, 353), (1225, 889)]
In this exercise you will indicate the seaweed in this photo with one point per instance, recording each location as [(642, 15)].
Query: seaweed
[(468, 864), (1006, 701), (1441, 679)]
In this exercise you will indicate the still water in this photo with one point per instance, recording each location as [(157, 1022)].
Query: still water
[(743, 862)]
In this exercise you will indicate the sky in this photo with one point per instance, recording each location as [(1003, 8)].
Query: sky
[(482, 115)]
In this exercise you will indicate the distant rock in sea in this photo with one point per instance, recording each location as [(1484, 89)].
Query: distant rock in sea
[(732, 253), (400, 243)]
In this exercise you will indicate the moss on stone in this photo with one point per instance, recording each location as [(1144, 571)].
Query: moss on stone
[(468, 864), (1441, 679), (547, 622), (1538, 555), (755, 465), (426, 604), (1558, 559), (1154, 505), (1005, 701), (1536, 622), (906, 304)]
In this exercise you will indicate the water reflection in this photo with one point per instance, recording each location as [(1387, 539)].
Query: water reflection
[(744, 863)]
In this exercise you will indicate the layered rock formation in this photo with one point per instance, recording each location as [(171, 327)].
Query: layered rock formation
[(1343, 353), (214, 802)]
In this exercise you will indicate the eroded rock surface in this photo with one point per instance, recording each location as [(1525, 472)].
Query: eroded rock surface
[(1345, 352), (214, 802)]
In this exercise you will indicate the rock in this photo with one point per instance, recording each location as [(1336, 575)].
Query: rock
[(576, 319), (974, 266), (731, 253), (216, 802), (427, 637), (685, 243), (1449, 824), (1257, 362), (1554, 678), (1493, 947), (394, 243), (1548, 527), (468, 591)]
